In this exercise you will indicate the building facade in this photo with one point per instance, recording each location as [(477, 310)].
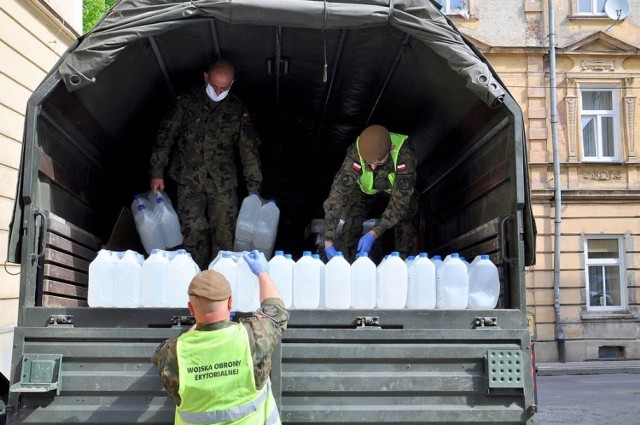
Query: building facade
[(598, 82), (33, 35)]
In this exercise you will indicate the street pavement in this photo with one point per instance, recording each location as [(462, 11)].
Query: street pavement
[(593, 399)]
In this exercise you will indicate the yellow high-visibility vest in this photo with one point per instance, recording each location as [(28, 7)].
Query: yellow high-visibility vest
[(217, 383)]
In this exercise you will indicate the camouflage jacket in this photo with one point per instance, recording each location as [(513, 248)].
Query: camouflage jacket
[(199, 137), (264, 330), (346, 180)]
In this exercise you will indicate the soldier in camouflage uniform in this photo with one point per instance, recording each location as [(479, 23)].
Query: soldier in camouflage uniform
[(197, 141), (210, 304), (379, 172)]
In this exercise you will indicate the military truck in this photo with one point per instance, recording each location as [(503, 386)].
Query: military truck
[(314, 74)]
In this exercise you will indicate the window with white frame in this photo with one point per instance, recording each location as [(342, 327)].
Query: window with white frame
[(604, 272), (454, 7), (600, 132), (591, 7)]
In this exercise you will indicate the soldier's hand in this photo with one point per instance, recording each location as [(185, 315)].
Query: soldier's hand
[(330, 251), (257, 262), (157, 184), (365, 243)]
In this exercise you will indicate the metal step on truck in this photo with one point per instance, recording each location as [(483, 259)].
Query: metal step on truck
[(313, 73)]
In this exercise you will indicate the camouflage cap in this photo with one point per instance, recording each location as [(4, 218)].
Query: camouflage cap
[(374, 143), (211, 285)]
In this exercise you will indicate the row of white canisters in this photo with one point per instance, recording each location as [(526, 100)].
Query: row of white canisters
[(394, 284), (124, 279)]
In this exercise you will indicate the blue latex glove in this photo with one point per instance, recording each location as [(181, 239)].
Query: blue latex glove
[(257, 262), (365, 243), (330, 251)]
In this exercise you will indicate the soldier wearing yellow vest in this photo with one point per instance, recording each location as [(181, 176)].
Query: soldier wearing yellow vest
[(376, 179), (218, 371)]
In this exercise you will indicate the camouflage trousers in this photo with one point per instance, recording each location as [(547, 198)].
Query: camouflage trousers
[(207, 220), (362, 207)]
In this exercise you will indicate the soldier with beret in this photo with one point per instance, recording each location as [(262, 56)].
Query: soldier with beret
[(219, 370), (378, 173), (198, 141)]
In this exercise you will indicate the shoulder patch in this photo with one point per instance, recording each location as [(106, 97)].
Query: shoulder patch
[(402, 167), (404, 183), (348, 180), (269, 310), (357, 167)]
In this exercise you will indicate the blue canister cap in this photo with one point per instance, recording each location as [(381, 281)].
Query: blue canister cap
[(226, 254), (141, 207), (455, 255), (484, 256), (437, 257), (279, 253), (306, 253), (423, 255)]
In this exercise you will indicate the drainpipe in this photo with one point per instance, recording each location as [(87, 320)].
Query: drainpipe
[(562, 355)]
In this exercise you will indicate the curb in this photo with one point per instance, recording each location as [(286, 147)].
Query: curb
[(569, 369)]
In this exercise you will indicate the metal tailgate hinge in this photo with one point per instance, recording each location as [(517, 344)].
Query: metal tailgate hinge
[(484, 322), (60, 320), (180, 321), (367, 321)]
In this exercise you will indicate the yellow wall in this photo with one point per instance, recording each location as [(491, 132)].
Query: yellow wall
[(31, 41)]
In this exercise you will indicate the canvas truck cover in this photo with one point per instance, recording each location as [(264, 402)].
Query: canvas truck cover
[(343, 38)]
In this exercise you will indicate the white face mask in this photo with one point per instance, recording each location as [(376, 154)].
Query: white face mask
[(216, 97)]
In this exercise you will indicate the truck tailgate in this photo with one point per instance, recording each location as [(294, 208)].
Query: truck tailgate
[(333, 367)]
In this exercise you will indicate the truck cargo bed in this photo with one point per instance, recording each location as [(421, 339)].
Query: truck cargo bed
[(313, 74)]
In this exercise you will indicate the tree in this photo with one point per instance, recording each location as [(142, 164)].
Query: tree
[(92, 12)]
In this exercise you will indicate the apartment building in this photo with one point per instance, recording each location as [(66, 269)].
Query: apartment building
[(597, 56)]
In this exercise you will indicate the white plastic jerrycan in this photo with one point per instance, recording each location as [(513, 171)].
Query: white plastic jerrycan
[(363, 283), (101, 279), (146, 222), (248, 290), (139, 199), (181, 270), (392, 283), (452, 284), (154, 280), (321, 264), (421, 292), (128, 279), (484, 284), (168, 222), (246, 223), (337, 283), (436, 260), (281, 271), (306, 282), (266, 228), (226, 266)]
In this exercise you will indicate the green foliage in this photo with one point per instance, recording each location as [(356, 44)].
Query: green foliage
[(92, 12)]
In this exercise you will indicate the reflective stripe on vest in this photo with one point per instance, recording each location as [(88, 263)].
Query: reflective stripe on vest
[(233, 413), (366, 178)]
